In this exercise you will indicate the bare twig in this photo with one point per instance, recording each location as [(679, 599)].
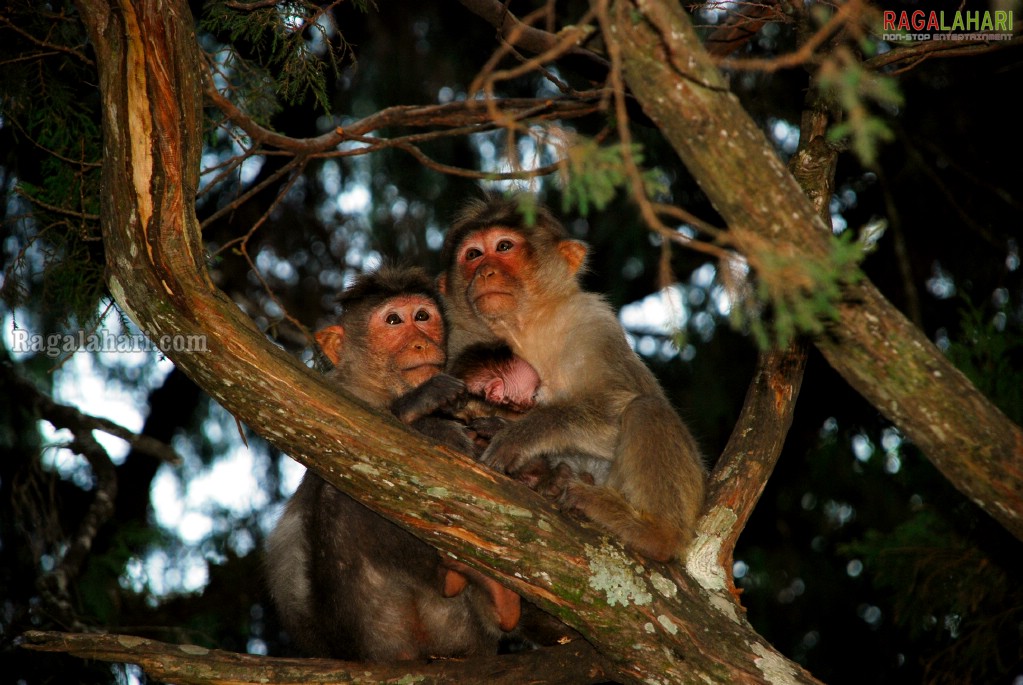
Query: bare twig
[(917, 53), (62, 415), (846, 13)]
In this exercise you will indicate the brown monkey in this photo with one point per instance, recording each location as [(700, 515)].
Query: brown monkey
[(513, 281), (347, 582)]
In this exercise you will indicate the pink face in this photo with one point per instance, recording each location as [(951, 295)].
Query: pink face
[(408, 330), (491, 262)]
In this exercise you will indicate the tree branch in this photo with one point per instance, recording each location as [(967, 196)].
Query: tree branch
[(871, 344), (576, 663)]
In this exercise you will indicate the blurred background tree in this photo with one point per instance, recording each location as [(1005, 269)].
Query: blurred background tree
[(861, 562)]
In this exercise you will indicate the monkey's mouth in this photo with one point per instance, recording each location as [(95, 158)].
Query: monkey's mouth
[(488, 300), (436, 366)]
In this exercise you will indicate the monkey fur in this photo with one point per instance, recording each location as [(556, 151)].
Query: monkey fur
[(510, 281), (348, 583)]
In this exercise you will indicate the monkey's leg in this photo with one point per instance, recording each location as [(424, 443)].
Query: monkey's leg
[(652, 536), (507, 605)]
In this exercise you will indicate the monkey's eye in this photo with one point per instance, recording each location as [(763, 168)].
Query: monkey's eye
[(505, 245), (392, 319), (422, 315), (473, 253)]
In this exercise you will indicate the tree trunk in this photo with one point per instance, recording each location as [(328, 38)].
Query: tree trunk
[(873, 345)]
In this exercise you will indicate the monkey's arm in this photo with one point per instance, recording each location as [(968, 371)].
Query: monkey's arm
[(550, 430), (438, 393)]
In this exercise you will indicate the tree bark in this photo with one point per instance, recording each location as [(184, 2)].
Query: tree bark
[(571, 664), (871, 344)]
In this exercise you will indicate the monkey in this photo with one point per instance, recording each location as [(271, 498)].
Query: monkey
[(509, 280), (348, 583)]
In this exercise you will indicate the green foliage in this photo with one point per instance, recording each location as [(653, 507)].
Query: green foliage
[(285, 61), (990, 352), (853, 88), (796, 295), (104, 574), (594, 174), (948, 595), (51, 109), (951, 589)]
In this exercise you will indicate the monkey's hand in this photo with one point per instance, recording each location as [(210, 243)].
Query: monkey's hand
[(482, 429), (440, 392), (486, 427), (504, 454), (447, 432)]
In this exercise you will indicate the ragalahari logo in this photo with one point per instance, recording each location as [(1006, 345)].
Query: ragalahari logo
[(918, 25)]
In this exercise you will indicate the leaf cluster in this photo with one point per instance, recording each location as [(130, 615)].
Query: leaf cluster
[(989, 351), (50, 110), (271, 54), (795, 294), (844, 79), (593, 173), (946, 592)]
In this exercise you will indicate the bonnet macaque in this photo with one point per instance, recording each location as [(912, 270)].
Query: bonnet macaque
[(347, 582), (510, 281)]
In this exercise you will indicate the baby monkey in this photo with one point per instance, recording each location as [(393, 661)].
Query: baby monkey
[(496, 374), (492, 372)]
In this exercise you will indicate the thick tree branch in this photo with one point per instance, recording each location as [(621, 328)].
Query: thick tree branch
[(875, 348), (574, 664)]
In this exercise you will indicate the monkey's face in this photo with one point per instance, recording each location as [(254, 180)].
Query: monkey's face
[(512, 384), (407, 334), (490, 264)]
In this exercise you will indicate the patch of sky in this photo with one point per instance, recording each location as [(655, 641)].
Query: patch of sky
[(862, 447), (785, 135), (838, 513), (941, 284)]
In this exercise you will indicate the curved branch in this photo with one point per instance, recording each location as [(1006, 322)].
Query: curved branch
[(752, 451), (871, 344)]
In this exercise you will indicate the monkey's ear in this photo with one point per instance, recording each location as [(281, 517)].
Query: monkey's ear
[(494, 390), (331, 340), (574, 254), (442, 284)]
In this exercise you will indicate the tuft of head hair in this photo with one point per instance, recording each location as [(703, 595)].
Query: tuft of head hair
[(498, 210), (372, 289)]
